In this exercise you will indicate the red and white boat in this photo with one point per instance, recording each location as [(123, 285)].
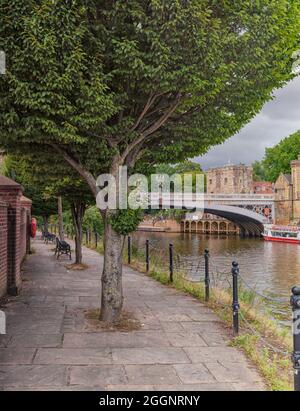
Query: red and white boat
[(286, 234)]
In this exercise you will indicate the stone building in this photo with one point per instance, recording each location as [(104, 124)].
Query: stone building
[(208, 224), (230, 179), (287, 196), (263, 187)]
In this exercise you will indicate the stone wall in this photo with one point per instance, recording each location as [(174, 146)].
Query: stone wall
[(287, 196), (295, 166), (230, 179)]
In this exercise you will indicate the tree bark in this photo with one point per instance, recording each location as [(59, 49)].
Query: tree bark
[(60, 219), (112, 292), (46, 223), (78, 210)]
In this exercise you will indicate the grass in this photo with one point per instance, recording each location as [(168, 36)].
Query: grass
[(265, 343)]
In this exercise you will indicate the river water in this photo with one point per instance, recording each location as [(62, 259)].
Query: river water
[(270, 268)]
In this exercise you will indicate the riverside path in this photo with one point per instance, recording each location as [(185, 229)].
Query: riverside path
[(51, 345)]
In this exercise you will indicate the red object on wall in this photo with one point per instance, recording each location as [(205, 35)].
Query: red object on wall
[(33, 228)]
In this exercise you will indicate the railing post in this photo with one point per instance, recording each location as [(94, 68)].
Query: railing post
[(129, 249), (207, 279), (235, 298), (147, 255), (295, 303), (171, 264), (87, 237), (96, 239)]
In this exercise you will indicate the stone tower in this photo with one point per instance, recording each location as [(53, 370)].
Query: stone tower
[(230, 179), (295, 168)]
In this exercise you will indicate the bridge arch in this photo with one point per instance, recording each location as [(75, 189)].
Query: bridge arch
[(250, 223)]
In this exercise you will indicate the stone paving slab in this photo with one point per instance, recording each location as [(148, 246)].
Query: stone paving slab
[(181, 345)]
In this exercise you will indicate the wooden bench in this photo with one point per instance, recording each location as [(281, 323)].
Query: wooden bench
[(62, 247)]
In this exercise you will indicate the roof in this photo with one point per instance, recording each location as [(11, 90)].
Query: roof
[(24, 199), (262, 183), (288, 177), (8, 183)]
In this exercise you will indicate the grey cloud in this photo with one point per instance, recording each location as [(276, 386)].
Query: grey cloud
[(278, 118)]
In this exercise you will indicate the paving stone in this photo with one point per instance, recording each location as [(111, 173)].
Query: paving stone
[(16, 356), (36, 340), (193, 373), (33, 375), (151, 374), (149, 356), (214, 339), (196, 387), (185, 339), (229, 371), (129, 387), (73, 356), (202, 327), (244, 386), (172, 326), (211, 354), (116, 340), (172, 317), (4, 340), (98, 376)]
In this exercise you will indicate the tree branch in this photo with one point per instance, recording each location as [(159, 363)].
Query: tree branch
[(86, 175), (153, 128)]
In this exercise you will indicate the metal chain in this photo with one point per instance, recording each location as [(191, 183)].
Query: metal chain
[(275, 349), (265, 297)]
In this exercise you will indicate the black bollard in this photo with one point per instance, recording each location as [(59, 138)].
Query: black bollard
[(147, 256), (129, 249), (295, 303), (235, 298), (171, 265), (87, 237), (207, 279), (96, 239)]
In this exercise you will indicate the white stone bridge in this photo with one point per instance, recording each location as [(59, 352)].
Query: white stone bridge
[(248, 211)]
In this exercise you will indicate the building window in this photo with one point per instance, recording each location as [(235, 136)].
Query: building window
[(225, 180), (210, 181)]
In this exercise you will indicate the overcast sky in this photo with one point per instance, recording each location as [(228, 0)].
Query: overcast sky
[(278, 119)]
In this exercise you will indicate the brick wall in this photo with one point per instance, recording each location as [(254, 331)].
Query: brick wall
[(3, 248), (16, 233)]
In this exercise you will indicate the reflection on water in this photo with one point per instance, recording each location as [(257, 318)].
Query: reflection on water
[(270, 267)]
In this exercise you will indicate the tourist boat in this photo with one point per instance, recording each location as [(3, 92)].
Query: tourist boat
[(287, 234)]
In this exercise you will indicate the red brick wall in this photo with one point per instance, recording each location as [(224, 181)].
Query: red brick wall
[(14, 250), (14, 217), (23, 233), (3, 248)]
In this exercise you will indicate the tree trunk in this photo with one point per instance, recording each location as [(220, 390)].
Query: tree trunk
[(112, 293), (78, 210), (60, 219), (46, 223)]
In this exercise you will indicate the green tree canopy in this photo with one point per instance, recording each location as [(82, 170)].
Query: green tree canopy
[(259, 172), (278, 158), (17, 169)]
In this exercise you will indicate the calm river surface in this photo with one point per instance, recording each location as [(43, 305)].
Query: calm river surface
[(271, 268)]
